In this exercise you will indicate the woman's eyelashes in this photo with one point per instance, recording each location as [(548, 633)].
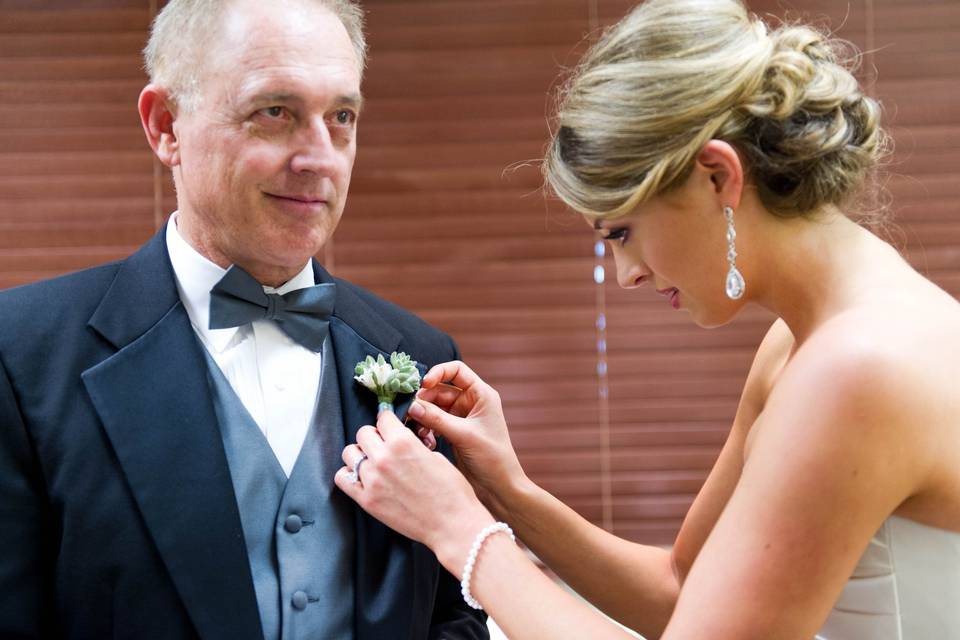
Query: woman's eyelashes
[(620, 234)]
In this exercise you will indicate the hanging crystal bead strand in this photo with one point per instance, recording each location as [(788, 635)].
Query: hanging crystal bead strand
[(603, 387), (735, 284)]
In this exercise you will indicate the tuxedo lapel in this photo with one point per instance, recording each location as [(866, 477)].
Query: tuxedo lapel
[(383, 559), (388, 565), (359, 404), (357, 332), (153, 399)]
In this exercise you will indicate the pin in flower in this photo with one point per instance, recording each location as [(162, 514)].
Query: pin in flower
[(387, 379)]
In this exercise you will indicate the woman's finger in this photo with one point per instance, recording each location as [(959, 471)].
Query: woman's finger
[(444, 396), (390, 427), (459, 402), (351, 453), (433, 417), (455, 372), (428, 438), (343, 480), (370, 441)]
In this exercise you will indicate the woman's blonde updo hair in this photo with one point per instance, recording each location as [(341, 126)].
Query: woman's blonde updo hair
[(674, 74)]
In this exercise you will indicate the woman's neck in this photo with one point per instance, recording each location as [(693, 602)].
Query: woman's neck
[(816, 267)]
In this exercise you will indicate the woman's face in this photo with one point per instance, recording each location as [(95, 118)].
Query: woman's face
[(677, 243)]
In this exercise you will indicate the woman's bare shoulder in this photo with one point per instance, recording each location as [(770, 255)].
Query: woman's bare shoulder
[(914, 344), (874, 380), (895, 372)]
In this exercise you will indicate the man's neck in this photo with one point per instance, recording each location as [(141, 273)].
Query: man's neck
[(266, 274)]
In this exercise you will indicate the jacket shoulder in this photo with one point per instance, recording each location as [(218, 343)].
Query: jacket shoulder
[(53, 305), (418, 335)]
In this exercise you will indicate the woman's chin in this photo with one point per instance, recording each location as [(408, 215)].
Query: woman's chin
[(713, 318)]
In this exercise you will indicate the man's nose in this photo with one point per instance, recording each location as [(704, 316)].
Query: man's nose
[(314, 149)]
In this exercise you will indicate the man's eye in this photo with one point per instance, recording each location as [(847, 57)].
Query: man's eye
[(272, 112), (345, 116)]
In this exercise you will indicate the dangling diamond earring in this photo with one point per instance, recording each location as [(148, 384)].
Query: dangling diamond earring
[(735, 284)]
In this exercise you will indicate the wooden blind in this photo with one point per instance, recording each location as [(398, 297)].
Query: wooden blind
[(446, 217), (76, 177)]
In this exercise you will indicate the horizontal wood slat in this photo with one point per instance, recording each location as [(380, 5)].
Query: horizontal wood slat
[(73, 16), (55, 45)]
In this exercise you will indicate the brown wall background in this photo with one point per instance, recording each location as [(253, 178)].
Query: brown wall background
[(616, 403)]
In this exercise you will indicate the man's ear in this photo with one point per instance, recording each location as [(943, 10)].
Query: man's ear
[(722, 162), (157, 117)]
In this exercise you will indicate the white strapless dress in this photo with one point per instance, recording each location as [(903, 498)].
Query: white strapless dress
[(905, 587)]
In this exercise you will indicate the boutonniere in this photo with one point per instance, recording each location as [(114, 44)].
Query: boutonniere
[(387, 379)]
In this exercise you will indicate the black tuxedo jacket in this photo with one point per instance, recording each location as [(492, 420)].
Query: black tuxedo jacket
[(117, 512)]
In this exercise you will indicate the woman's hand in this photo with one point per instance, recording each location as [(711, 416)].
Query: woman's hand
[(455, 403), (415, 491)]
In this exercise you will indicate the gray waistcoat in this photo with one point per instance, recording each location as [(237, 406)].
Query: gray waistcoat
[(299, 531)]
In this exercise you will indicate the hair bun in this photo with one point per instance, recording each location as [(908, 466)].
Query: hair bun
[(812, 135), (674, 74)]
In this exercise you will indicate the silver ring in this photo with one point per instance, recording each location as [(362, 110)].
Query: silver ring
[(354, 475)]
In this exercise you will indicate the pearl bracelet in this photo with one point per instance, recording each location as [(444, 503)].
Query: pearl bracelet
[(472, 559)]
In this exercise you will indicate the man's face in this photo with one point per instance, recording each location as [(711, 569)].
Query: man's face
[(265, 159)]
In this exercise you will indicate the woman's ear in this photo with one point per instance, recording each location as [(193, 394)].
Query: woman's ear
[(722, 163), (157, 118)]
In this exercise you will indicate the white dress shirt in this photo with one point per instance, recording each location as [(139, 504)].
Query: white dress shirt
[(275, 378)]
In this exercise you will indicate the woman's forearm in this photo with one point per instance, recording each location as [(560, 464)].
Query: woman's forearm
[(527, 604), (632, 583)]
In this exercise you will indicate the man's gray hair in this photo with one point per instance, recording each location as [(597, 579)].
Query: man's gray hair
[(183, 30)]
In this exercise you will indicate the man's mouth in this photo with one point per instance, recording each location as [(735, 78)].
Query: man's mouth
[(306, 199)]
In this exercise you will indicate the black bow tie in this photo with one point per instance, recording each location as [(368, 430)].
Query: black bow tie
[(303, 314)]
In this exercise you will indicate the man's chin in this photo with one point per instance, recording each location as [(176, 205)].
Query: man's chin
[(274, 268)]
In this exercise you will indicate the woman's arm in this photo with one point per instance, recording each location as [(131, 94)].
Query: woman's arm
[(527, 604), (632, 583)]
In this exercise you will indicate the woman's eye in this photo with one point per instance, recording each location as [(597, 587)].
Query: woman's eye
[(618, 234)]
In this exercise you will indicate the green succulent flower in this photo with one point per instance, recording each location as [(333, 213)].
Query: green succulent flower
[(387, 379)]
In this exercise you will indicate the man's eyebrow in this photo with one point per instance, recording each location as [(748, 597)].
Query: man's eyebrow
[(598, 225), (354, 100), (274, 97)]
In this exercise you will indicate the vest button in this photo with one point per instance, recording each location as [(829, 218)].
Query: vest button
[(293, 523), (299, 600)]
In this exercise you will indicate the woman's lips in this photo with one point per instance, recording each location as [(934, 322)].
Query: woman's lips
[(674, 294)]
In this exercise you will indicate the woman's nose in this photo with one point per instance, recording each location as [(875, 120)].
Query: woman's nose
[(630, 274)]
